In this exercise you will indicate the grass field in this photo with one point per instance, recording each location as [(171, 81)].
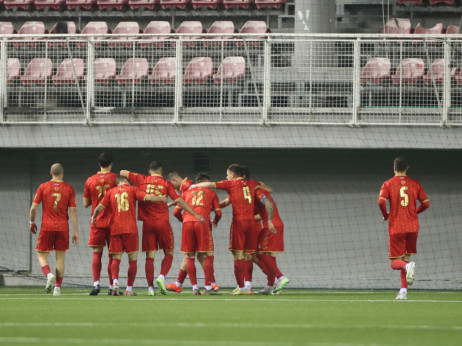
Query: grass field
[(296, 317)]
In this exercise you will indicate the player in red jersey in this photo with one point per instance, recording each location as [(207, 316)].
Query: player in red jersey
[(124, 231), (157, 232), (95, 189), (403, 224), (197, 236), (56, 197)]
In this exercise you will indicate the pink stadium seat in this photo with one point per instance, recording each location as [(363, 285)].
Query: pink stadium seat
[(238, 3), (190, 27), (174, 3), (253, 27), (6, 28), (143, 3), (199, 70), (54, 4), (213, 4), (269, 3), (133, 70), (14, 70), (65, 73), (118, 4), (418, 2), (376, 70), (71, 29), (437, 70), (437, 29), (164, 71), (124, 28), (232, 69), (33, 28), (452, 29), (448, 2), (219, 27), (105, 70), (156, 27), (397, 26), (86, 4), (24, 4), (410, 70), (38, 71), (94, 28)]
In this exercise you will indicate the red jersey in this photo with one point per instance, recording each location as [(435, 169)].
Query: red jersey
[(241, 193), (185, 185), (122, 200), (202, 201), (260, 196), (56, 198), (95, 188), (157, 186), (403, 193)]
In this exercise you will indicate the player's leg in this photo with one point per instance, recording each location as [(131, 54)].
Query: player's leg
[(411, 249), (191, 268), (96, 269), (60, 256), (178, 284), (149, 246), (283, 280), (396, 254), (107, 232), (248, 272), (45, 243), (116, 249), (166, 242), (237, 243), (131, 246)]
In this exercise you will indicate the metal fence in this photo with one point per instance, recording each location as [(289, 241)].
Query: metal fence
[(275, 79)]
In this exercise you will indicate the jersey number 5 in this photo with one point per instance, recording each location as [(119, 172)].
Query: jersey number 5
[(247, 194), (122, 201), (403, 194)]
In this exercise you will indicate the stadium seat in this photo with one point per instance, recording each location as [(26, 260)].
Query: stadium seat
[(437, 70), (33, 28), (452, 29), (54, 4), (14, 70), (86, 4), (397, 26), (134, 70), (69, 28), (232, 69), (124, 28), (134, 4), (213, 4), (410, 70), (448, 2), (94, 28), (24, 4), (105, 70), (65, 73), (199, 70), (38, 71), (220, 27), (190, 27), (269, 3), (417, 2), (164, 71), (6, 28), (117, 4), (156, 27), (376, 70), (253, 27), (237, 3), (437, 29), (174, 3)]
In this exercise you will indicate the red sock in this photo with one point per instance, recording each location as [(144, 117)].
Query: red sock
[(264, 268), (191, 267), (398, 264), (181, 276), (59, 281), (109, 271), (212, 279), (275, 266), (208, 270), (115, 269), (403, 279), (239, 269), (46, 270), (166, 265), (149, 270), (96, 265), (248, 270), (132, 268)]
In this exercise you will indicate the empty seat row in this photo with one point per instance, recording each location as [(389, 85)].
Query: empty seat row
[(431, 2), (133, 4), (198, 70), (403, 26), (410, 70)]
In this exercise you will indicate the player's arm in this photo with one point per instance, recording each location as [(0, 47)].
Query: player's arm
[(217, 209), (270, 210), (383, 208), (265, 187), (170, 204), (258, 217), (424, 205), (86, 196), (32, 216), (177, 212), (86, 202), (185, 206), (154, 198), (75, 225), (207, 184), (97, 211), (224, 203), (124, 173)]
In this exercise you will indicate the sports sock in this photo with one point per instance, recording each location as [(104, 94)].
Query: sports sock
[(191, 267), (275, 266), (264, 268), (248, 270), (129, 288), (213, 270), (95, 283), (109, 271), (208, 270), (267, 262), (46, 270), (166, 264), (181, 276), (115, 269), (398, 264), (239, 268), (96, 265), (248, 285), (403, 279), (149, 269), (59, 281), (132, 269), (195, 287)]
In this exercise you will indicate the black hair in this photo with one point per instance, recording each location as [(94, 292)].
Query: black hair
[(105, 159), (200, 177), (155, 166), (400, 164)]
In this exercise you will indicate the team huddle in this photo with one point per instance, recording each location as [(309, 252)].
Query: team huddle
[(256, 234)]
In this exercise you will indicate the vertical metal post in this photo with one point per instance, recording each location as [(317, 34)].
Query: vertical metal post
[(356, 79), (178, 81), (266, 82), (133, 77), (447, 82), (90, 80), (3, 80), (400, 67), (221, 81), (46, 82)]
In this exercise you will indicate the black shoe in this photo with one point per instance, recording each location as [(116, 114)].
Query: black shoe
[(109, 293), (211, 293), (95, 290)]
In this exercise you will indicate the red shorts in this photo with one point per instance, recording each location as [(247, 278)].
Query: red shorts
[(52, 240), (99, 236), (269, 242), (196, 236), (157, 234), (401, 244), (128, 242), (242, 235), (251, 241)]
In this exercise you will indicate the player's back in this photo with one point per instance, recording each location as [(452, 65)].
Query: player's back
[(241, 193), (202, 201), (185, 185), (122, 200), (97, 185), (260, 194)]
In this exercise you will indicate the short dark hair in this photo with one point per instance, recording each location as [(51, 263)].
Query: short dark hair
[(400, 164), (121, 179), (236, 169), (245, 172), (173, 174), (200, 177), (105, 159), (155, 166)]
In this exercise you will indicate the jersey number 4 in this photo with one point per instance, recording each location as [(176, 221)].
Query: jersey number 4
[(247, 194), (403, 194)]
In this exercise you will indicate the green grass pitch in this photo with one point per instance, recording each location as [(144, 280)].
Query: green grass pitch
[(296, 317)]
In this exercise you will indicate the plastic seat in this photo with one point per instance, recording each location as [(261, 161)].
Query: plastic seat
[(96, 28), (376, 70), (436, 71), (238, 3), (437, 29), (14, 70), (220, 27), (199, 70), (6, 28), (252, 27), (65, 73), (38, 71), (33, 28), (124, 28), (134, 70), (452, 29), (86, 4), (213, 4), (24, 4), (164, 71), (117, 4), (54, 4), (134, 4), (190, 27), (174, 3), (69, 28), (232, 69), (269, 3), (156, 27), (417, 2), (105, 70), (397, 26), (448, 2), (410, 70)]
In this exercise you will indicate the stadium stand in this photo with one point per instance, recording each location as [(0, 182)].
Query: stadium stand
[(253, 27), (85, 4), (269, 3), (458, 76), (376, 70), (397, 26), (164, 71), (94, 28), (437, 29), (447, 2), (436, 72), (199, 70), (69, 71), (117, 4), (12, 4), (134, 70), (53, 4), (6, 28), (190, 27), (33, 28), (213, 4), (452, 29), (417, 2), (156, 27), (181, 4), (105, 70), (14, 70), (220, 27), (410, 70), (62, 27), (245, 4), (124, 28), (149, 4), (232, 70), (38, 71)]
